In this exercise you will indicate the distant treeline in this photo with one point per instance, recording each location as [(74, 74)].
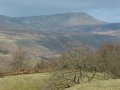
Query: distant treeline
[(20, 64)]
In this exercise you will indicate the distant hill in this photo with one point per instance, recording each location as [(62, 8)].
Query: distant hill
[(43, 36), (48, 21)]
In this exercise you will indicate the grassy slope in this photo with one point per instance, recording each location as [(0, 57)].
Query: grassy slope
[(98, 85), (36, 81), (23, 82)]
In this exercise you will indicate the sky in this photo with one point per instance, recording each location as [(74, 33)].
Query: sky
[(106, 10)]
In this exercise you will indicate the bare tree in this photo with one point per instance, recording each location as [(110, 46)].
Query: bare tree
[(74, 66), (109, 58), (19, 60)]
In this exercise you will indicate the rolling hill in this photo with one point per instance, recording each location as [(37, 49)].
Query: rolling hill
[(47, 22), (45, 36)]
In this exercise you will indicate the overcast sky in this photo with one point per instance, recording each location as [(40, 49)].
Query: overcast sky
[(107, 10)]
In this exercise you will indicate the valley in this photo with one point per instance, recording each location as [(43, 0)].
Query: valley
[(44, 36), (59, 52)]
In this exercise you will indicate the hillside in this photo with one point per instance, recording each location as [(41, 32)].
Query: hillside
[(36, 82), (24, 82), (45, 36), (47, 22), (98, 85)]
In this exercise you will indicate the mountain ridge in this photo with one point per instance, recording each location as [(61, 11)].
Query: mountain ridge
[(48, 21), (44, 36)]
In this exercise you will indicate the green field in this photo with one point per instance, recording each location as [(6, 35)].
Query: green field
[(23, 82), (36, 81), (98, 85)]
